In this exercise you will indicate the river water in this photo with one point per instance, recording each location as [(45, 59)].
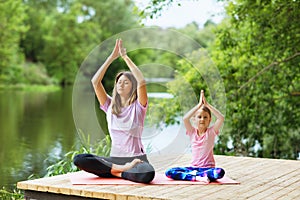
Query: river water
[(37, 128)]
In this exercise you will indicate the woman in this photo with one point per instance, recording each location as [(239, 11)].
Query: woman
[(125, 114)]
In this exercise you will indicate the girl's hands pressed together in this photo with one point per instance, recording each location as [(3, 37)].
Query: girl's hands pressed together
[(204, 99), (201, 98)]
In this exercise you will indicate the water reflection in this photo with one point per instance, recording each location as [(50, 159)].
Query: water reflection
[(36, 128), (164, 95)]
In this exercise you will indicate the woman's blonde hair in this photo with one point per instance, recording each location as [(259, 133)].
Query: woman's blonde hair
[(116, 100)]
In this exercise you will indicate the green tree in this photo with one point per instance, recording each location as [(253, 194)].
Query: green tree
[(12, 16), (66, 43), (32, 42), (257, 53), (62, 33), (155, 8), (204, 36)]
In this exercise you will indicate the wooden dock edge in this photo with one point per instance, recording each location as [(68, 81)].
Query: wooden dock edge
[(259, 178)]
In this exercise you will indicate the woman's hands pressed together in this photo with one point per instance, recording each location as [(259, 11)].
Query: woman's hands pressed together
[(118, 50), (115, 53), (122, 50)]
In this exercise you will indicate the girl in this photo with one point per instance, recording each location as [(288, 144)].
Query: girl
[(125, 114), (202, 139)]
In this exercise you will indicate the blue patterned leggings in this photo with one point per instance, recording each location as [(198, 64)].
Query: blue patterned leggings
[(190, 173)]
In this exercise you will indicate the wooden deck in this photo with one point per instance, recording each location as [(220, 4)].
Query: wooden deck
[(259, 179)]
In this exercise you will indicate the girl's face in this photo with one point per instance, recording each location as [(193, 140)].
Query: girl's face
[(202, 119), (124, 86)]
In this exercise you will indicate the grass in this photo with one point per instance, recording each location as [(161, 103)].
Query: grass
[(65, 165), (16, 194), (30, 88)]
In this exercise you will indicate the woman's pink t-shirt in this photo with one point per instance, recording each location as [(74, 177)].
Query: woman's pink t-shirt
[(202, 148), (126, 129)]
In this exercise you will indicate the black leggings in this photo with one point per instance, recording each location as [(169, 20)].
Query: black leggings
[(101, 166)]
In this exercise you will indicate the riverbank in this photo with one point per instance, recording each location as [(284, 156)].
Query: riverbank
[(29, 88)]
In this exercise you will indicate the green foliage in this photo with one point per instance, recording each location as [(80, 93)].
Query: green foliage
[(204, 36), (155, 63), (16, 194), (58, 34), (70, 35), (163, 111), (188, 81), (65, 165), (66, 44), (22, 76), (257, 52), (12, 16), (36, 74), (31, 88), (256, 49), (155, 8)]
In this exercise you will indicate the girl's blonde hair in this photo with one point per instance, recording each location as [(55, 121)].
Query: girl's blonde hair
[(116, 100)]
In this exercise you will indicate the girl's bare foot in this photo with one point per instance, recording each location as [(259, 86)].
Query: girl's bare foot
[(203, 179)]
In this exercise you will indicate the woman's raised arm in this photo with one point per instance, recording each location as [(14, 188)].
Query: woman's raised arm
[(141, 87), (97, 78)]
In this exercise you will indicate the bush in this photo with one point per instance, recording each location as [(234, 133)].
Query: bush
[(66, 164), (11, 195), (36, 74)]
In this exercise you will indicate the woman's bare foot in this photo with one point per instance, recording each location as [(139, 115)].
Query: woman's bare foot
[(130, 165), (118, 169)]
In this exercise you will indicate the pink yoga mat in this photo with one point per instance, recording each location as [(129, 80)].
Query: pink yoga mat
[(85, 178)]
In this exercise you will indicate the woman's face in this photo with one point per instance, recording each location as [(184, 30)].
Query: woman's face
[(124, 86), (202, 119)]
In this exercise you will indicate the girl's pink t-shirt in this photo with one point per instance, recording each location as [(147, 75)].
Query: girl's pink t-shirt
[(202, 148), (126, 129)]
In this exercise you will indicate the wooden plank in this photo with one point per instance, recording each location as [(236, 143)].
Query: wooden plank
[(34, 195), (260, 179)]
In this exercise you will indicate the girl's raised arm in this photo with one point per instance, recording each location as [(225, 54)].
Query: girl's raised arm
[(187, 117), (220, 118)]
